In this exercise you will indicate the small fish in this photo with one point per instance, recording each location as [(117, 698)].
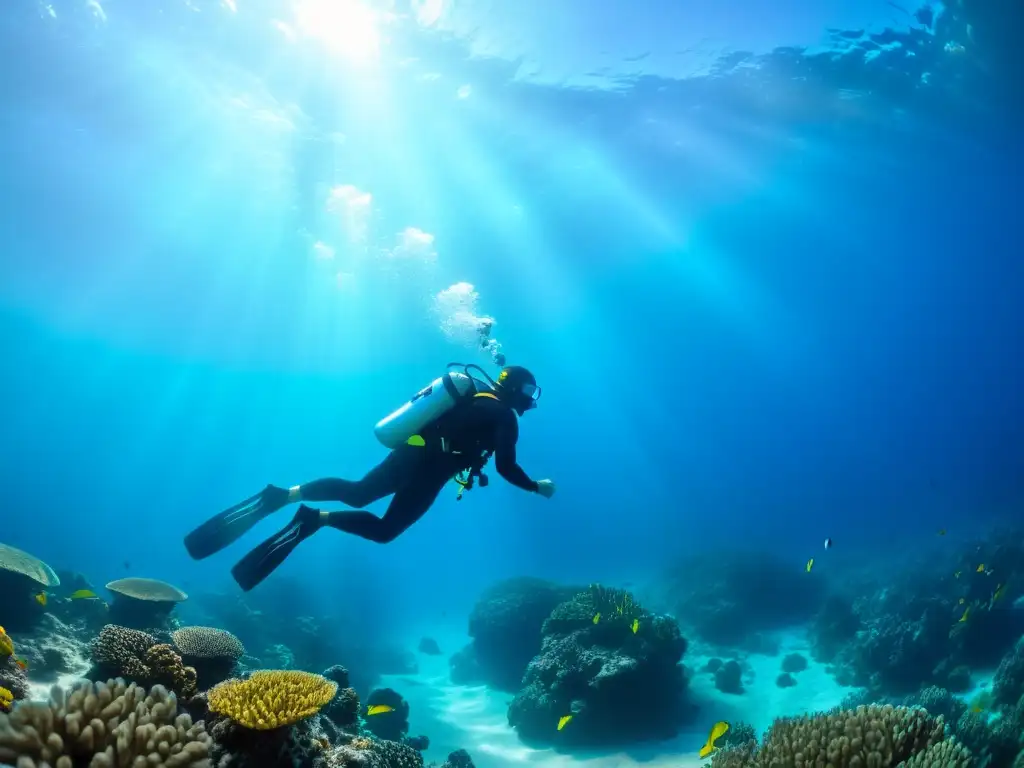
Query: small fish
[(127, 565), (941, 532), (718, 730), (810, 564), (997, 595), (961, 601), (22, 664), (957, 575), (563, 721), (379, 709), (980, 568), (967, 615), (828, 543), (636, 625), (40, 598), (82, 594), (597, 618)]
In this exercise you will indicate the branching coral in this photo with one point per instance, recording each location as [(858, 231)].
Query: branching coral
[(102, 725), (272, 698), (877, 736), (944, 754), (166, 668)]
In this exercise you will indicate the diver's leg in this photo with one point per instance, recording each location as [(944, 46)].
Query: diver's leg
[(409, 505), (383, 480), (220, 531)]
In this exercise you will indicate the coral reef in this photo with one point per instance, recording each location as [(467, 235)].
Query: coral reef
[(13, 678), (343, 709), (596, 672), (143, 603), (878, 736), (739, 595), (729, 677), (506, 629), (393, 725), (785, 680), (938, 702), (213, 653), (927, 624), (793, 663), (103, 724), (373, 753), (137, 656), (458, 759), (21, 577), (1008, 683), (271, 699)]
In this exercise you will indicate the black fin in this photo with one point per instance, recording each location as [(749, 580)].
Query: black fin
[(261, 562), (227, 527)]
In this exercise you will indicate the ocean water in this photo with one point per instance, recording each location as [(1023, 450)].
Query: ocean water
[(763, 259)]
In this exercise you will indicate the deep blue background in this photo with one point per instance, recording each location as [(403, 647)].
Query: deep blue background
[(763, 309)]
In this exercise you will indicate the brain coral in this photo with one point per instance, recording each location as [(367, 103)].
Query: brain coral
[(101, 725), (874, 736), (208, 643), (272, 698)]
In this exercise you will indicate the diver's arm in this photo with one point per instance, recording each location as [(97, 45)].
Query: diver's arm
[(505, 454)]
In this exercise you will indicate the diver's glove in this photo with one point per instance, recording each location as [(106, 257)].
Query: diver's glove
[(546, 488)]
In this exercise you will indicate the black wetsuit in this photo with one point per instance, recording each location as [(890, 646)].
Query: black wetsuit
[(416, 474)]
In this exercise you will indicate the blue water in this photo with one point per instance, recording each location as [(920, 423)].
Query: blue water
[(762, 260)]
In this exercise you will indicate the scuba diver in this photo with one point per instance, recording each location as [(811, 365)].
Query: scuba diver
[(448, 430)]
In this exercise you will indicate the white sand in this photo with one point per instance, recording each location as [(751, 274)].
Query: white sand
[(41, 691), (474, 718)]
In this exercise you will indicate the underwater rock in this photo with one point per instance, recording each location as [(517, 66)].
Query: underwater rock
[(343, 710), (363, 752), (393, 725), (728, 598), (713, 665), (785, 680), (429, 647), (305, 744), (1008, 683), (793, 663), (338, 674), (597, 672), (506, 629), (53, 649), (729, 677), (419, 743), (458, 759)]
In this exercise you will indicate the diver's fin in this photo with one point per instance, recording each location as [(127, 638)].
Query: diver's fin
[(222, 530), (261, 562)]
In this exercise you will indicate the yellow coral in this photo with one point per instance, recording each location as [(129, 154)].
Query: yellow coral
[(6, 697), (6, 644), (272, 698)]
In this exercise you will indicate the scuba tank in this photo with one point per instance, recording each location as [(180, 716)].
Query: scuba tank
[(432, 402)]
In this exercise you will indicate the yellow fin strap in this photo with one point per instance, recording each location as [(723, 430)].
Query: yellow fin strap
[(486, 394), (416, 440)]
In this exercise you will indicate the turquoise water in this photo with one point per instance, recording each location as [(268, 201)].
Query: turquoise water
[(760, 258)]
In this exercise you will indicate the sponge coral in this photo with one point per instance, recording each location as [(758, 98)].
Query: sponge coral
[(102, 725), (272, 698), (120, 650), (877, 736)]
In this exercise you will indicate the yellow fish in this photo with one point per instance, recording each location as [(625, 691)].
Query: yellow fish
[(22, 664), (417, 441), (379, 709), (40, 598), (967, 613), (563, 721), (980, 568), (961, 601), (810, 564), (82, 594), (597, 618), (636, 625), (717, 731)]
